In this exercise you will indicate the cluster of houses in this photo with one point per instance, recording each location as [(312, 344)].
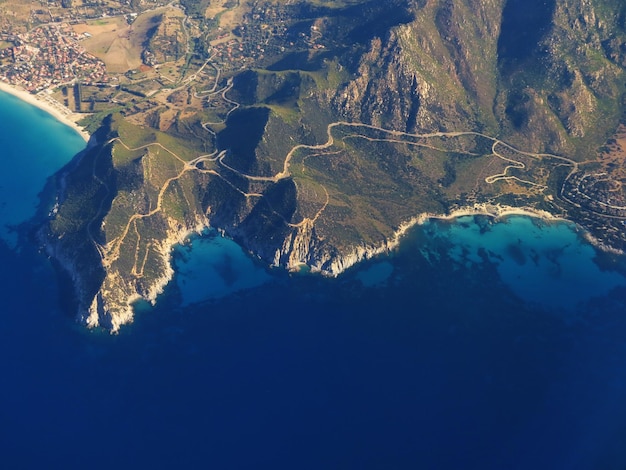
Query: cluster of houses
[(595, 192), (264, 32), (49, 56)]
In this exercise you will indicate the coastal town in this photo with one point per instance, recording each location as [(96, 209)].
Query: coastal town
[(49, 48), (49, 56), (98, 56), (597, 193)]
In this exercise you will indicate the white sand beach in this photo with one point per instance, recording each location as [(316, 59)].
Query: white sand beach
[(497, 211), (58, 111)]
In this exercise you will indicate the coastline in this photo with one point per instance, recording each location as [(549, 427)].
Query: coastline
[(69, 118), (496, 211), (111, 313), (333, 267)]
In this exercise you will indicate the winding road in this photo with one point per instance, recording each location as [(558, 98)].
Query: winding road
[(111, 251)]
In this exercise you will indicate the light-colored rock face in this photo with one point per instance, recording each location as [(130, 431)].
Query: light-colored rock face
[(112, 306)]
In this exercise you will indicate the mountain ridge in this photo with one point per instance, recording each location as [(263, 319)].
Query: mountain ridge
[(327, 162)]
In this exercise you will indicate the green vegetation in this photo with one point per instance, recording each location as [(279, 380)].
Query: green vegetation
[(195, 8), (319, 126)]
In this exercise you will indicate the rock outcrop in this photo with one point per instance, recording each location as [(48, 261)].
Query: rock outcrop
[(413, 107)]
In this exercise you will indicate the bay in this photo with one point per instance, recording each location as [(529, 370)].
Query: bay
[(444, 354), (33, 146)]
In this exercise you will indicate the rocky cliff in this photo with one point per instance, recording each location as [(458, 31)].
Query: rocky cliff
[(323, 159)]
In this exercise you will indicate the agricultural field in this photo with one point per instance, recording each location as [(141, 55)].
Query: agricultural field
[(118, 44)]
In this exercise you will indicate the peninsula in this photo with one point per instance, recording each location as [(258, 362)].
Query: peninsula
[(315, 132)]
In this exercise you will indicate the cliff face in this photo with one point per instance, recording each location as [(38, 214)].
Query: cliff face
[(437, 72), (408, 108)]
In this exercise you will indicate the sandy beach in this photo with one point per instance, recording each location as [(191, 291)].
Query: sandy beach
[(59, 112), (496, 211)]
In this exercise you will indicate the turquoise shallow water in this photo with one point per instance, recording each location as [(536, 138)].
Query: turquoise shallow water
[(543, 262), (546, 263), (33, 146), (211, 267), (475, 345)]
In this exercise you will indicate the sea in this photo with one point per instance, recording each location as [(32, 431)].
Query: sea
[(475, 345)]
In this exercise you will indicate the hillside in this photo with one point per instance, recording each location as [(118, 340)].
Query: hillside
[(353, 120)]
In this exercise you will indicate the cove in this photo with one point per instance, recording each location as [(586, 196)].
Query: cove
[(543, 262)]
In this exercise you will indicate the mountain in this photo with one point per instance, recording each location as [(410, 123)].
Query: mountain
[(367, 116)]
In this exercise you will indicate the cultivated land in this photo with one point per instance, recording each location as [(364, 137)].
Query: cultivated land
[(114, 42)]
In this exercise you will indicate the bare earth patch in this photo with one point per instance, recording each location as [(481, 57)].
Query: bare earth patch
[(118, 44)]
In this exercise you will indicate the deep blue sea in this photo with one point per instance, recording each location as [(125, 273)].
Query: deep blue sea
[(476, 345)]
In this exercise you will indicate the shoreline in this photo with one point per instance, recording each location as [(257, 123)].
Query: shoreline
[(359, 253), (69, 118), (496, 211)]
